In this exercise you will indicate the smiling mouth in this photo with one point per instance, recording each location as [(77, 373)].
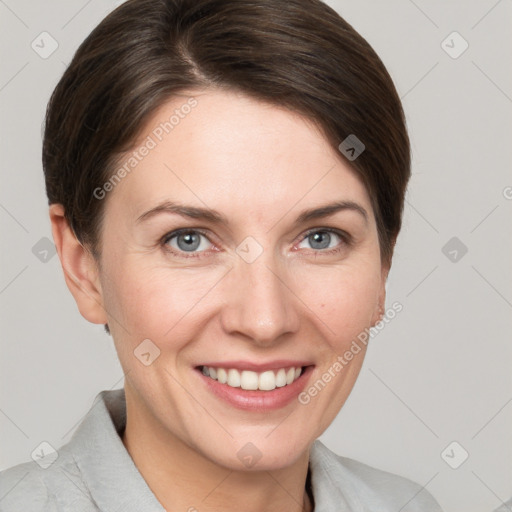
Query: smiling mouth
[(254, 381)]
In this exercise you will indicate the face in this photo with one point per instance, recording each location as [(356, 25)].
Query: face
[(239, 241)]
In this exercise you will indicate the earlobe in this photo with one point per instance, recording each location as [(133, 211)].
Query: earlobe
[(80, 268)]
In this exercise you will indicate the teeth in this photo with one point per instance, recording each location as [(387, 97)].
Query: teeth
[(222, 375), (281, 378), (234, 378), (249, 380), (267, 381)]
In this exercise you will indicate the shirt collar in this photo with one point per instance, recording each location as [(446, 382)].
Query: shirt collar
[(107, 469), (116, 484)]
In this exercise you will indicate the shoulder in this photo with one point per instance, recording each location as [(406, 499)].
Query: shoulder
[(367, 488), (22, 487), (57, 487)]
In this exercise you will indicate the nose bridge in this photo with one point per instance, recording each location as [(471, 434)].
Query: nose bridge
[(260, 304)]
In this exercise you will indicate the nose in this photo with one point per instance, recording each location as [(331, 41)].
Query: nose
[(260, 305)]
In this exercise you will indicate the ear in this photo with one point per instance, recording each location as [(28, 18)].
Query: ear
[(381, 298), (80, 268)]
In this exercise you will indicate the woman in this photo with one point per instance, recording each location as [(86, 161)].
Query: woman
[(226, 182)]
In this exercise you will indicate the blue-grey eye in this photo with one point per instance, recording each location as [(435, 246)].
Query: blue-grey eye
[(188, 241), (321, 239)]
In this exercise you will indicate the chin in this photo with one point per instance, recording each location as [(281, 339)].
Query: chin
[(260, 454)]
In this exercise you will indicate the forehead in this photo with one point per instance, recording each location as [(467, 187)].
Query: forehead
[(231, 152)]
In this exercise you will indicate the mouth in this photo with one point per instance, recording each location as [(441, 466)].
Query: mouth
[(249, 380), (255, 389)]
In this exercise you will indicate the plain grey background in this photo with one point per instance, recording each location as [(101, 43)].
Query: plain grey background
[(437, 382)]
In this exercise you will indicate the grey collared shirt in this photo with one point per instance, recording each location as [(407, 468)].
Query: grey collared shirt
[(94, 472)]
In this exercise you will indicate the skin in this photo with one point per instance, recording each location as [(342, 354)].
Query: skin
[(259, 166)]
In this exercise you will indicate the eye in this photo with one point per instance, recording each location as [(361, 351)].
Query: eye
[(325, 238), (186, 241)]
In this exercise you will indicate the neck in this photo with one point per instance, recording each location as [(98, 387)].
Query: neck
[(183, 479)]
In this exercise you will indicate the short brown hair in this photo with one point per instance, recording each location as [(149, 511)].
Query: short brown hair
[(298, 54)]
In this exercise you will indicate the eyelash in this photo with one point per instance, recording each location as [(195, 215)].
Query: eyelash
[(347, 241)]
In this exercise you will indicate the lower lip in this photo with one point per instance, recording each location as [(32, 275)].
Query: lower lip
[(257, 400)]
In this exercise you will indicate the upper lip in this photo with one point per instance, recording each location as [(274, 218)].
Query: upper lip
[(258, 367)]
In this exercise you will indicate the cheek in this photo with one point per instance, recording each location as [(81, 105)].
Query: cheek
[(343, 301), (153, 300), (344, 298)]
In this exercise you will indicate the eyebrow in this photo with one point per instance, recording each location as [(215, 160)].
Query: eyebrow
[(213, 216)]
